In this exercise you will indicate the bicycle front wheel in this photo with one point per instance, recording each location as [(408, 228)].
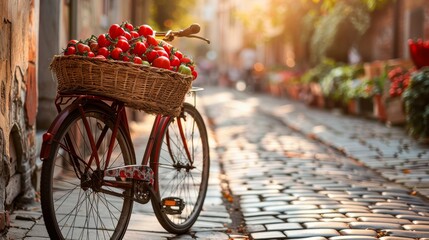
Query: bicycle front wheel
[(181, 171), (76, 202)]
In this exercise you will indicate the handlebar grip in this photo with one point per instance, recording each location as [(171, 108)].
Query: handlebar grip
[(193, 29)]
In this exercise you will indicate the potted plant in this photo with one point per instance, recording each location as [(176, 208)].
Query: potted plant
[(340, 85), (399, 78), (312, 79), (416, 100), (346, 92), (377, 85), (364, 93)]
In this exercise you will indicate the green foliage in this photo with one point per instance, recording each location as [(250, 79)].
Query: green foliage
[(258, 25), (416, 100), (339, 29), (371, 5), (363, 89), (379, 81), (341, 83), (167, 14), (317, 73), (327, 27)]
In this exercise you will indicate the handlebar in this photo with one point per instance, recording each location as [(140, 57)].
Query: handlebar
[(187, 32)]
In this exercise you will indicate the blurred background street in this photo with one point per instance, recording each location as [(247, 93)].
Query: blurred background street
[(318, 112)]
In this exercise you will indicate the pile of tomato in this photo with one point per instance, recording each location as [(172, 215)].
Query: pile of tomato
[(133, 44)]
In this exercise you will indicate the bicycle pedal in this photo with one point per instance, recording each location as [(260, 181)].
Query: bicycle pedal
[(173, 205)]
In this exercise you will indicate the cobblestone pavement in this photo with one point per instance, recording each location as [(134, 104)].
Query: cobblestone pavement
[(293, 183)]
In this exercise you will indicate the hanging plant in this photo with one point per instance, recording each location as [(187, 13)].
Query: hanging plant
[(338, 30)]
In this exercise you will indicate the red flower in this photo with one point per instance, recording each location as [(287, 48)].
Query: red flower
[(399, 80)]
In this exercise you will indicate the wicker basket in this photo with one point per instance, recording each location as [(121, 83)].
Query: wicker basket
[(153, 90)]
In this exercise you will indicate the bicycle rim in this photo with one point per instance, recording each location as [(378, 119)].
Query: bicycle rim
[(72, 210), (175, 176)]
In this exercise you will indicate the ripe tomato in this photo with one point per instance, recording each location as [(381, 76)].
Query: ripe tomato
[(134, 34), (174, 61), (129, 26), (116, 53), (178, 54), (123, 44), (151, 55), (139, 48), (161, 62), (137, 60), (72, 43), (103, 41), (103, 51), (70, 50), (115, 31), (185, 60), (167, 47), (162, 53), (100, 56), (122, 38), (93, 45), (152, 40), (194, 74), (128, 35), (83, 48), (145, 30)]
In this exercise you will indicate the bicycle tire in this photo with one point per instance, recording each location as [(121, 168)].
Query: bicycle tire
[(71, 211), (189, 185)]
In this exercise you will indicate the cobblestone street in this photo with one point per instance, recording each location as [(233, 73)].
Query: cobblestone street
[(281, 170), (293, 183)]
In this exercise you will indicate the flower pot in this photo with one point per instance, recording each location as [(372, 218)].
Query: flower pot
[(395, 113), (293, 91), (379, 108), (318, 99), (353, 106), (366, 107)]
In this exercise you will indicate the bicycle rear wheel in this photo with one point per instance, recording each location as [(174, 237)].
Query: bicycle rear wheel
[(181, 171), (76, 203)]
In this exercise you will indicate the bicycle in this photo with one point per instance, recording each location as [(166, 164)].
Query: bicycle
[(89, 160)]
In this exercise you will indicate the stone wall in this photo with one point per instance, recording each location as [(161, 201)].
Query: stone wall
[(18, 101)]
